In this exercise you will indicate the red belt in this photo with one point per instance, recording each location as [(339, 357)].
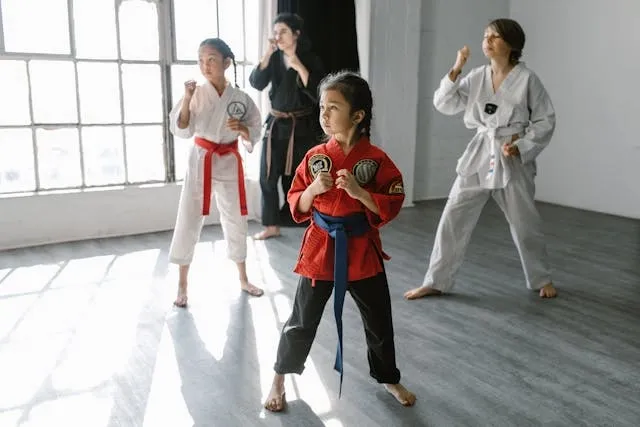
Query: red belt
[(221, 150)]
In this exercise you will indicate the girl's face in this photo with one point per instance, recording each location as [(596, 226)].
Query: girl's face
[(493, 45), (336, 117), (212, 64), (285, 38)]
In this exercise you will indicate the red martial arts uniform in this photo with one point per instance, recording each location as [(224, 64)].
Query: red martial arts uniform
[(376, 173)]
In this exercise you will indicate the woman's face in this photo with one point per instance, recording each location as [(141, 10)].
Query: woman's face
[(493, 45), (285, 38)]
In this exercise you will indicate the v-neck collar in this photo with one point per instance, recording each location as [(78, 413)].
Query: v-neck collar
[(508, 80), (339, 157)]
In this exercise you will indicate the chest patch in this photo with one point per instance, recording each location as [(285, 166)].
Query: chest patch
[(319, 163), (490, 108), (365, 170)]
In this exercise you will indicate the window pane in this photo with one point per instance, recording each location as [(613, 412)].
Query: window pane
[(14, 87), (251, 26), (36, 26), (95, 29), (53, 89), (16, 163), (231, 29), (195, 21), (58, 158), (145, 156), (99, 92), (181, 149), (179, 75), (229, 74), (142, 93), (252, 161), (103, 156), (139, 30)]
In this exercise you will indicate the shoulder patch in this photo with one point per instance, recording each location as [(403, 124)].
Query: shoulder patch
[(365, 170), (396, 187), (319, 163)]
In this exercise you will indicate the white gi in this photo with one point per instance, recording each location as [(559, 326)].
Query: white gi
[(208, 120), (520, 106)]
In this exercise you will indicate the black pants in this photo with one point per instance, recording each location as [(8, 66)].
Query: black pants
[(372, 298), (272, 212)]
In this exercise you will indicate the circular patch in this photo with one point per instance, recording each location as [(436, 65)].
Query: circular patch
[(237, 110), (365, 170), (319, 163)]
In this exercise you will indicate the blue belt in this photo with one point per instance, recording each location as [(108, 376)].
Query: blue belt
[(339, 228)]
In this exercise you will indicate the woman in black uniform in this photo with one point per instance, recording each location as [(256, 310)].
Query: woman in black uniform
[(292, 125)]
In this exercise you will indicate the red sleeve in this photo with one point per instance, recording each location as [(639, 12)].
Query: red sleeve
[(388, 193), (301, 181)]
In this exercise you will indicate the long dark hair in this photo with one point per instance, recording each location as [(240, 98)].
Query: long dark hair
[(225, 51), (296, 24)]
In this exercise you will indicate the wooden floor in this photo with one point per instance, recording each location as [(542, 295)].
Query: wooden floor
[(88, 335)]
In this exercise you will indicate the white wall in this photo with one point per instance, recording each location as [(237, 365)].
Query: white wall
[(76, 215), (587, 53), (393, 75), (446, 26), (363, 30)]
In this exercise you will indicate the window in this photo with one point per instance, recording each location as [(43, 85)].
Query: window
[(87, 86)]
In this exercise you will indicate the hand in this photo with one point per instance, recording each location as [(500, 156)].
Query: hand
[(294, 62), (509, 149), (237, 126), (272, 46), (461, 58), (189, 88), (247, 145), (348, 183), (321, 184)]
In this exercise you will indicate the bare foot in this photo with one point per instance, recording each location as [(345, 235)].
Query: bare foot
[(548, 291), (181, 299), (402, 395), (422, 291), (276, 400), (250, 289), (267, 233)]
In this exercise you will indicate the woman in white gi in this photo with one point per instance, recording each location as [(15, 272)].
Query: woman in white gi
[(217, 114), (514, 120)]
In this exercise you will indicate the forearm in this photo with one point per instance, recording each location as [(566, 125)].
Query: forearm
[(304, 75), (264, 62), (306, 201), (365, 198), (454, 73), (185, 114)]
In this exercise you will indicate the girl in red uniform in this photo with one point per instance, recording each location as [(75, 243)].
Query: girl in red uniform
[(349, 189)]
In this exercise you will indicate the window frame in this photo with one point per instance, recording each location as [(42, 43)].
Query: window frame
[(167, 57)]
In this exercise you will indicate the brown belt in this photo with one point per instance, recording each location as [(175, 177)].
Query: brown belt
[(285, 115)]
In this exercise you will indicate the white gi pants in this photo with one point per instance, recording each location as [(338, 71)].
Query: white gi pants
[(464, 206), (227, 197)]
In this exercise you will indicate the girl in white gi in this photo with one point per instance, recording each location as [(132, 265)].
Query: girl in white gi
[(217, 114), (514, 120)]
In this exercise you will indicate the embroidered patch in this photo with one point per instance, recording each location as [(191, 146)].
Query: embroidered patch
[(396, 188), (365, 170), (319, 163), (237, 110)]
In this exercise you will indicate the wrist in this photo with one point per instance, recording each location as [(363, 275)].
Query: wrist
[(361, 194)]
